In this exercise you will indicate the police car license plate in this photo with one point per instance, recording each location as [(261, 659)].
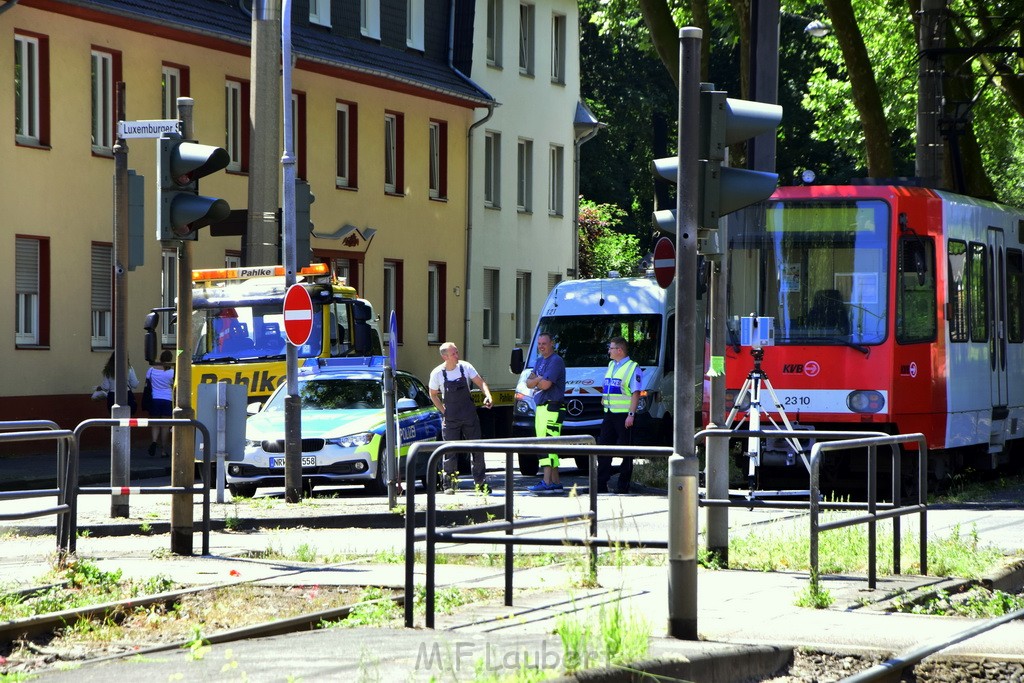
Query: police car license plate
[(307, 461)]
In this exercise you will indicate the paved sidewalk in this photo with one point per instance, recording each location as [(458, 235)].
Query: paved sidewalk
[(747, 621)]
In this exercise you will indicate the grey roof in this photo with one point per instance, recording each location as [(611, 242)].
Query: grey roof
[(224, 19)]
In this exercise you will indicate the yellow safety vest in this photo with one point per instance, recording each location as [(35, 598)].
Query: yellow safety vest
[(615, 394)]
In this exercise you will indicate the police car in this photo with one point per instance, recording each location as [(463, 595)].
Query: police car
[(343, 427)]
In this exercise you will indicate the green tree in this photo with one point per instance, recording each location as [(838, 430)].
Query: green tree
[(602, 246)]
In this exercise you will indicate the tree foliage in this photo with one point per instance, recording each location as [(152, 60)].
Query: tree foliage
[(602, 246), (853, 94)]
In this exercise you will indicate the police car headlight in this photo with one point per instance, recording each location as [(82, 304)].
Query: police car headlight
[(352, 440)]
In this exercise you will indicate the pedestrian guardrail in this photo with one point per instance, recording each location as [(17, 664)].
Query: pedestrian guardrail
[(875, 510), (42, 430), (502, 532), (74, 490)]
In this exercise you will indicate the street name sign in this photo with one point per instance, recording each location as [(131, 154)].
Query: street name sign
[(147, 129)]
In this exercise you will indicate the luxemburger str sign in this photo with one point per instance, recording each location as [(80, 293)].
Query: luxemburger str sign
[(147, 129)]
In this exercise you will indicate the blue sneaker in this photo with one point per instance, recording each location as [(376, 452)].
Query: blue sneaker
[(539, 487)]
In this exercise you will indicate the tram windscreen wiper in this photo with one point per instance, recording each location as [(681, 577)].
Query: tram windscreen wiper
[(833, 339)]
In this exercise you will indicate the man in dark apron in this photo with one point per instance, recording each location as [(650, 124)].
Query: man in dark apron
[(450, 392)]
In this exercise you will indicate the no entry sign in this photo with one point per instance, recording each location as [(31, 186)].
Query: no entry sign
[(298, 315), (664, 262)]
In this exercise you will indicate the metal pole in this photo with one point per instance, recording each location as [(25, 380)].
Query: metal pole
[(222, 439), (764, 69), (292, 403), (120, 437), (929, 153), (717, 450), (261, 240), (388, 459), (183, 439), (683, 468)]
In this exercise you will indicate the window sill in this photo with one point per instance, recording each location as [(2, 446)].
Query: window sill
[(347, 188), (393, 194), (32, 347), (31, 144), (443, 200)]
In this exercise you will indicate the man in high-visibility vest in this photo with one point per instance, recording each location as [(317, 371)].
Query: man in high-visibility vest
[(620, 394)]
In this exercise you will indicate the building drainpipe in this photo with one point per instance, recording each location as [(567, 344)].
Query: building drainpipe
[(469, 169)]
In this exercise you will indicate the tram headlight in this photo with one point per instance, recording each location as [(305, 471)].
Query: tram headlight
[(865, 401)]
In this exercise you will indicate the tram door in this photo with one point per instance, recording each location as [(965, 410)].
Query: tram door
[(997, 304)]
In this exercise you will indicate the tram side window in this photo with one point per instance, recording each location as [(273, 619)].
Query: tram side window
[(915, 302), (1014, 296), (977, 285), (956, 296)]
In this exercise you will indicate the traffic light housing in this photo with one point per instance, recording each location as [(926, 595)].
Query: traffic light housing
[(181, 210), (723, 189), (303, 225)]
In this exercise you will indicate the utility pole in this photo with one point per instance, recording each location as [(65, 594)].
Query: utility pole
[(261, 241), (292, 402), (120, 437), (683, 466), (183, 468)]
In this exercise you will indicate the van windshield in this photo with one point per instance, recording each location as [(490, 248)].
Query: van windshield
[(582, 340)]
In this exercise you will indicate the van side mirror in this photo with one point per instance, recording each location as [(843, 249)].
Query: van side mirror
[(516, 362)]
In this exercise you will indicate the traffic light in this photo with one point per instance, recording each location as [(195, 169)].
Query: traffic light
[(181, 209), (303, 224), (723, 189)]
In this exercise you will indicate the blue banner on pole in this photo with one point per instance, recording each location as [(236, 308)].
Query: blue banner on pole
[(393, 340)]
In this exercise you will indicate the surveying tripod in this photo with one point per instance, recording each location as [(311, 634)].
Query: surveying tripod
[(752, 386)]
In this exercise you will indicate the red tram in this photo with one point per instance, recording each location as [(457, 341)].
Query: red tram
[(896, 309)]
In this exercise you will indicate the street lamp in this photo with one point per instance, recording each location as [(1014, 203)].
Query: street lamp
[(817, 29)]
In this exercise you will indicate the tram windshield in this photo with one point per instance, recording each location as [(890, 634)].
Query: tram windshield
[(818, 267)]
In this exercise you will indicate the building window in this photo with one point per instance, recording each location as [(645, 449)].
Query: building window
[(523, 313), (175, 84), (556, 163), (320, 12), (524, 176), (436, 287), (347, 144), (553, 280), (102, 296), (526, 40), (494, 10), (492, 169), (169, 295), (236, 123), (392, 299), (438, 131), (31, 291), (558, 48), (414, 24), (490, 312), (106, 70), (232, 259), (31, 89), (394, 152), (369, 18), (299, 133)]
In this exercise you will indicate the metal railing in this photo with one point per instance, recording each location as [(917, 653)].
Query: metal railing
[(42, 430), (74, 490), (502, 532), (875, 510)]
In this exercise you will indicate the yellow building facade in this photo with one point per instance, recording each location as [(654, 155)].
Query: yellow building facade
[(57, 177)]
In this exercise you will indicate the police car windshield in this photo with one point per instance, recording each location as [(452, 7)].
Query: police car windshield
[(582, 340), (334, 394)]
